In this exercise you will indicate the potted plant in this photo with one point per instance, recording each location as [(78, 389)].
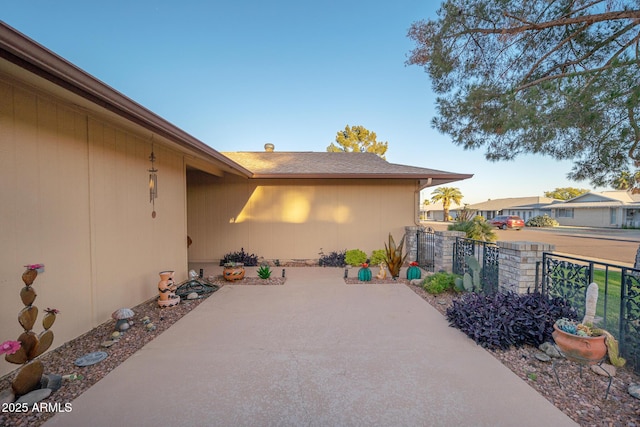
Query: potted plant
[(584, 343), (233, 271)]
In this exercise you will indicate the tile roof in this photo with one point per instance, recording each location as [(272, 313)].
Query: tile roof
[(300, 164), (500, 204)]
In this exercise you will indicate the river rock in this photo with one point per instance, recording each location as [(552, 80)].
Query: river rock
[(634, 390), (604, 369), (51, 381), (7, 396), (550, 350), (416, 282), (35, 396), (543, 357), (193, 295)]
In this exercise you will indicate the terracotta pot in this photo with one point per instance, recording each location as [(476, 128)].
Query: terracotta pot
[(233, 273), (166, 290), (586, 350)]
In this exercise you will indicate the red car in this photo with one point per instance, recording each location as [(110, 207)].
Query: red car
[(507, 221)]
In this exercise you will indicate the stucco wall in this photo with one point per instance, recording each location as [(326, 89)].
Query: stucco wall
[(588, 217), (75, 197), (293, 219)]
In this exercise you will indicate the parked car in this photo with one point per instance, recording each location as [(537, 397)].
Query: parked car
[(507, 221)]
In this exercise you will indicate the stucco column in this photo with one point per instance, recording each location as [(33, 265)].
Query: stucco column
[(517, 264), (444, 243)]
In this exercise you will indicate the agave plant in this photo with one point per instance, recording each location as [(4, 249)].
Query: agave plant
[(393, 256)]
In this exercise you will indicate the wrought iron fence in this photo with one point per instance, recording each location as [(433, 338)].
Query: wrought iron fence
[(618, 309), (426, 249), (486, 253)]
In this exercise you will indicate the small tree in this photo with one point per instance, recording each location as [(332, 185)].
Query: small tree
[(446, 195), (565, 193), (357, 139)]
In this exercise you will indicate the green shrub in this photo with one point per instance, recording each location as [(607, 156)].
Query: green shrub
[(377, 257), (439, 283), (355, 257), (476, 229), (542, 221)]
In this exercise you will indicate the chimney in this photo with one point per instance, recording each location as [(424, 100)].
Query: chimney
[(268, 147)]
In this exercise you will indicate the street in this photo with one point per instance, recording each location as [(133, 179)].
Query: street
[(616, 246)]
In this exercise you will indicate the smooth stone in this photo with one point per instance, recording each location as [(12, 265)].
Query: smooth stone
[(51, 381), (605, 370), (107, 343), (193, 295), (116, 335), (543, 357), (35, 396), (7, 396), (634, 390), (550, 350), (416, 282)]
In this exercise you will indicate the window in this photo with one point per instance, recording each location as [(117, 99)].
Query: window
[(613, 215), (564, 213)]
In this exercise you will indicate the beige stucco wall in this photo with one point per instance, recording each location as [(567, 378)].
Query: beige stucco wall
[(294, 219), (75, 198), (587, 217)]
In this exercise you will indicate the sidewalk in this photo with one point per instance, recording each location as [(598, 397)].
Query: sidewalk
[(313, 352)]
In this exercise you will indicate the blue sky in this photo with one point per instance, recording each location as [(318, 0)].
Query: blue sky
[(237, 74)]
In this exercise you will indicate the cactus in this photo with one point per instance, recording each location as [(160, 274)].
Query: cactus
[(470, 282), (364, 274), (413, 272), (590, 304)]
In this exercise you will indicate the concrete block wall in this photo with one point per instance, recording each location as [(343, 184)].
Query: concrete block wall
[(444, 242)]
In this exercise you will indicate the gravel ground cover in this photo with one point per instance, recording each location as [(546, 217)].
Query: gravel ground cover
[(580, 397)]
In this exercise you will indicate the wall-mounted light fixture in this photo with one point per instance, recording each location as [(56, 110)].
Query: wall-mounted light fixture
[(153, 182)]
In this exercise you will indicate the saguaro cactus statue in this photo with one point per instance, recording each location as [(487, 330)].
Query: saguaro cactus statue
[(31, 345)]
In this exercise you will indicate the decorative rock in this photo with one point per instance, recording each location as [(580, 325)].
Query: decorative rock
[(122, 326), (150, 327), (605, 370), (116, 335), (108, 343), (35, 396), (51, 381), (543, 357), (193, 295), (416, 282), (550, 350), (7, 396), (634, 390), (91, 358)]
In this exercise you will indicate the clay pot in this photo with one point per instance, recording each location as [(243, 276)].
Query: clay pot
[(233, 273), (585, 350)]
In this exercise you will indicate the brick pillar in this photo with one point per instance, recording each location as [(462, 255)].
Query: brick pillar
[(517, 271), (411, 242), (444, 242)]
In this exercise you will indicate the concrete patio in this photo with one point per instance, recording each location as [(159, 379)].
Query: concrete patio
[(314, 352)]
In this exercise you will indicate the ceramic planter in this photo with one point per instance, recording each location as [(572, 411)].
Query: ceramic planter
[(233, 273), (585, 350)]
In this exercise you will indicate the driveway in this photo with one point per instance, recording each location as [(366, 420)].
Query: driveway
[(314, 352)]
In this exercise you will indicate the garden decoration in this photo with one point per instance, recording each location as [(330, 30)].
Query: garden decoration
[(196, 283), (29, 345), (413, 272), (122, 316), (364, 274), (393, 256), (382, 274), (166, 290), (233, 271)]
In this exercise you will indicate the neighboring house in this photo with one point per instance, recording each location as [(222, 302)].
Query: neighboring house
[(605, 209), (75, 195), (524, 207), (435, 212)]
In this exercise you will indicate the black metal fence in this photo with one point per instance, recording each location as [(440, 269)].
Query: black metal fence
[(485, 253), (618, 308), (426, 249)]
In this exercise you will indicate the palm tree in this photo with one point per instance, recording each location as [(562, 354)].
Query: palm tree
[(446, 195)]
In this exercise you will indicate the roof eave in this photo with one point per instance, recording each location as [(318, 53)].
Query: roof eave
[(35, 58)]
